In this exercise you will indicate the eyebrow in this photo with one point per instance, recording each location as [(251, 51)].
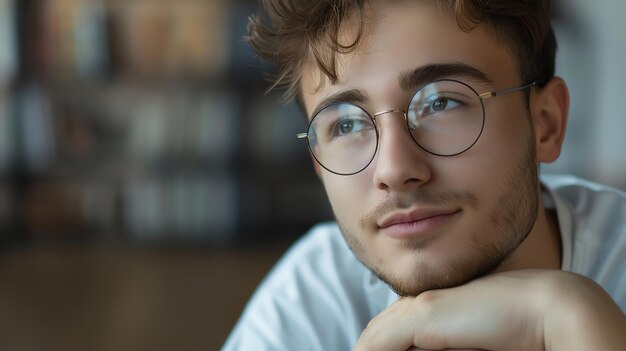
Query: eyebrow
[(409, 80), (423, 75), (353, 96)]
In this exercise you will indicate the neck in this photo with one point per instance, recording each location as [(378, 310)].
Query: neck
[(542, 247)]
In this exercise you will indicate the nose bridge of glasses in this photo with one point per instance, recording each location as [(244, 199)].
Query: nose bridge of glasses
[(402, 112), (387, 112)]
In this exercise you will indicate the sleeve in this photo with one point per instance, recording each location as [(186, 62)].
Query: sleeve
[(305, 303)]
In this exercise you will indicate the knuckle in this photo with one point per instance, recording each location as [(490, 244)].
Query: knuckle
[(425, 305), (426, 301), (428, 296)]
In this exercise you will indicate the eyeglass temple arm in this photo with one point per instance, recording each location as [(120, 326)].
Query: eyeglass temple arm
[(505, 91), (302, 135)]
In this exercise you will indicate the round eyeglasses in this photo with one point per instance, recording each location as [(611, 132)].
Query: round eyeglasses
[(445, 118)]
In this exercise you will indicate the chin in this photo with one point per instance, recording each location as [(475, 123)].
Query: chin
[(425, 276)]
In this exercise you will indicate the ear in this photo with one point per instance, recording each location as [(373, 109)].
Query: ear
[(549, 110)]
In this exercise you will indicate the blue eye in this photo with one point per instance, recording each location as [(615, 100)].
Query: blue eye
[(350, 125), (347, 126), (439, 104)]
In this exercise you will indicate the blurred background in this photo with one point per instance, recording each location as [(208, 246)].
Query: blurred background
[(147, 182)]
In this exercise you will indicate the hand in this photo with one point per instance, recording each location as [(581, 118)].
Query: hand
[(517, 310)]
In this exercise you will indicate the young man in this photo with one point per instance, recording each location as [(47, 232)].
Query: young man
[(428, 120)]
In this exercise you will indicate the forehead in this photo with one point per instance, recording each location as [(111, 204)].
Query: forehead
[(400, 37)]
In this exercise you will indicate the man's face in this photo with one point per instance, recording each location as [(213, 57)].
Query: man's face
[(421, 221)]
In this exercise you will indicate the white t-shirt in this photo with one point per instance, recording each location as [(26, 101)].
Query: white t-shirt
[(320, 297)]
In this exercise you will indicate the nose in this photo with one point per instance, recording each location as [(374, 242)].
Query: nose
[(400, 164)]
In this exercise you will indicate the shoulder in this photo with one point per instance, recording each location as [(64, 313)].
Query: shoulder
[(319, 257), (593, 207), (592, 219), (322, 241), (584, 195), (314, 296)]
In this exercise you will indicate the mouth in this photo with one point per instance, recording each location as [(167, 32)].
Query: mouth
[(415, 223)]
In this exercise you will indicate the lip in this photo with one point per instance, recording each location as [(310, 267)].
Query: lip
[(415, 223)]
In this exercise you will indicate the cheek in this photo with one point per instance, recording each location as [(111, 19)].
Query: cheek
[(347, 195), (486, 167), (504, 142)]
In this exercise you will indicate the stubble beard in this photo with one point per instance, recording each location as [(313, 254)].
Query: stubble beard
[(512, 218)]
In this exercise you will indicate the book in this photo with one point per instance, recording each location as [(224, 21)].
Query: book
[(187, 38), (8, 42), (74, 35)]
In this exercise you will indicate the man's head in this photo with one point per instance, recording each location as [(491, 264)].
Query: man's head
[(418, 219)]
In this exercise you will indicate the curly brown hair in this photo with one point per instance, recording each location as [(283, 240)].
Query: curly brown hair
[(291, 33)]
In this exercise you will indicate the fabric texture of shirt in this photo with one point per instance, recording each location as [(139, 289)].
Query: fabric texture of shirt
[(320, 297)]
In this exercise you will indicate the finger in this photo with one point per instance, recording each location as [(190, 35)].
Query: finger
[(390, 330)]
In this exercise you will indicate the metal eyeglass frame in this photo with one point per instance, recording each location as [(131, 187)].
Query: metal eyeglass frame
[(483, 96)]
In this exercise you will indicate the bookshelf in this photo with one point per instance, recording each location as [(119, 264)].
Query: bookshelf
[(145, 121)]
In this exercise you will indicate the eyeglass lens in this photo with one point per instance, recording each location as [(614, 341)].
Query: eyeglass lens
[(444, 118)]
